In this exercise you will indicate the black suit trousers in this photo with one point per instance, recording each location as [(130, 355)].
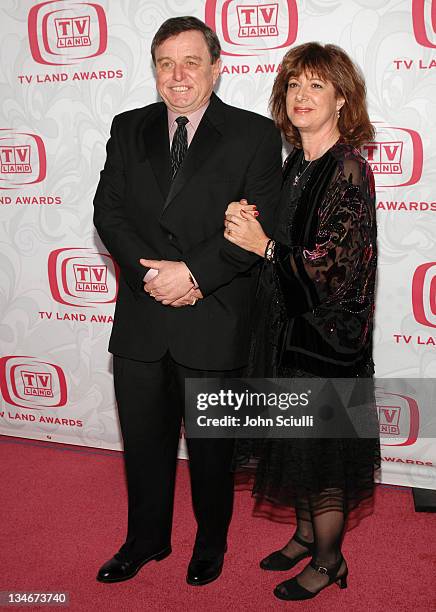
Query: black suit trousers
[(150, 398)]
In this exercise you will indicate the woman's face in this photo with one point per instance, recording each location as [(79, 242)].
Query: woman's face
[(311, 103)]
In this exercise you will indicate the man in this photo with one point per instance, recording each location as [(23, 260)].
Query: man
[(170, 172)]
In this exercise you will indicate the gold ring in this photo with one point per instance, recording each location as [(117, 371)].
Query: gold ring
[(194, 301), (151, 294)]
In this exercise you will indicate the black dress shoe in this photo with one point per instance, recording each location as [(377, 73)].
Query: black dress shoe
[(119, 568), (203, 571)]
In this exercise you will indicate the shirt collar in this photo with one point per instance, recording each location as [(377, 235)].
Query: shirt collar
[(194, 118)]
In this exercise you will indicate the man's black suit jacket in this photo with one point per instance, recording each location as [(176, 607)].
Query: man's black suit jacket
[(139, 213)]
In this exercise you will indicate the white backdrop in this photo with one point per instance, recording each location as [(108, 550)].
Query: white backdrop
[(68, 67)]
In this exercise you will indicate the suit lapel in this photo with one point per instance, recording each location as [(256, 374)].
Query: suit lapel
[(158, 149), (206, 138)]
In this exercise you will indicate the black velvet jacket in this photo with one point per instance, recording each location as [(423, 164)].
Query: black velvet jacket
[(323, 276)]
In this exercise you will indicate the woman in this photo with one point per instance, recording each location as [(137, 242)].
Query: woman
[(315, 303)]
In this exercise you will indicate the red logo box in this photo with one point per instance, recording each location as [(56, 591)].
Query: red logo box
[(389, 418), (62, 33), (249, 28), (424, 22), (398, 416), (257, 20), (23, 159), (27, 382), (396, 156), (424, 294), (82, 277)]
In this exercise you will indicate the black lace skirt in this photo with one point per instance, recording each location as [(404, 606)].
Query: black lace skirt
[(309, 475), (303, 474)]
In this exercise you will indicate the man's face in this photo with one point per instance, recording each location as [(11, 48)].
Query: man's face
[(185, 76)]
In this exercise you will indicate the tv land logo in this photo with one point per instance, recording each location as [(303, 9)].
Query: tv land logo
[(27, 382), (248, 28), (424, 22), (396, 156), (37, 384), (73, 31), (389, 418), (257, 20), (385, 157), (23, 159), (15, 159), (82, 277), (63, 32), (424, 294), (398, 416)]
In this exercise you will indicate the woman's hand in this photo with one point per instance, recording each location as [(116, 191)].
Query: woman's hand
[(235, 208), (243, 229)]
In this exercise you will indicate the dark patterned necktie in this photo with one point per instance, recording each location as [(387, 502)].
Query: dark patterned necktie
[(179, 145)]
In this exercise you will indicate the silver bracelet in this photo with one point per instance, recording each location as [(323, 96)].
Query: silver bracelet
[(270, 249)]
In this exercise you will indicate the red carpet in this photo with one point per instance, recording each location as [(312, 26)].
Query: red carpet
[(63, 514)]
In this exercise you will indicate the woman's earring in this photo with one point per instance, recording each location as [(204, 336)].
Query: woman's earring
[(338, 113)]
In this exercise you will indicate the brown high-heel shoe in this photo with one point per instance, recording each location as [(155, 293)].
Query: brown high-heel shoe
[(291, 590), (279, 562)]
